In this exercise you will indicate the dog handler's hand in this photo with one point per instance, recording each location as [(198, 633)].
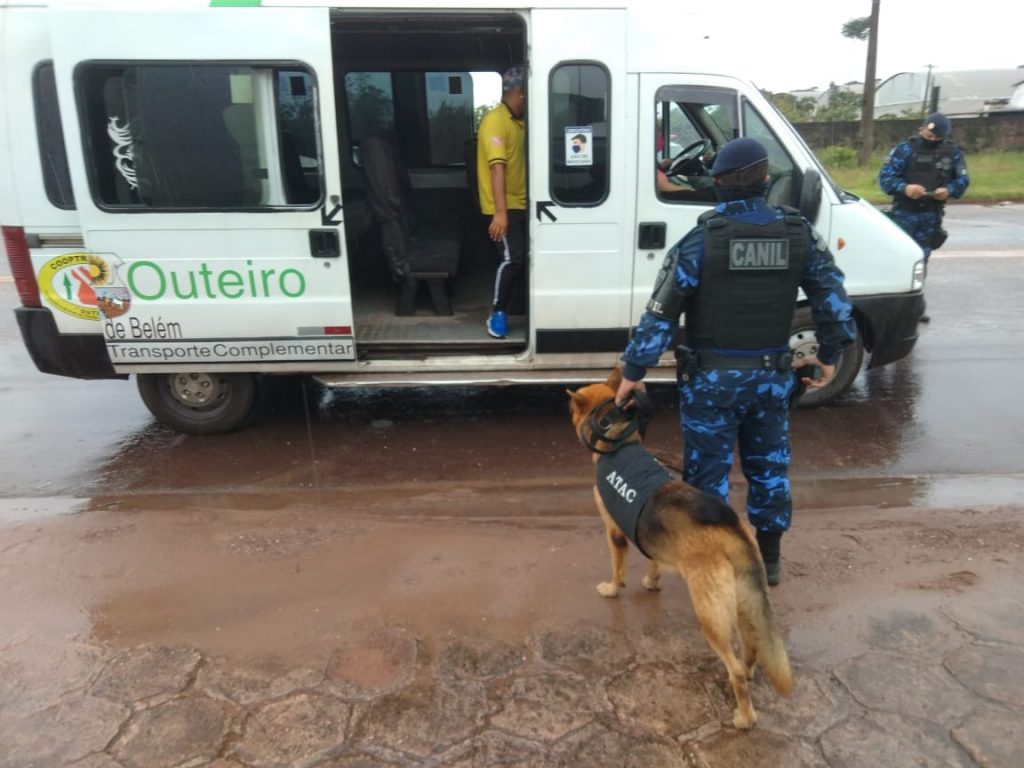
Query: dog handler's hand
[(827, 372), (626, 389)]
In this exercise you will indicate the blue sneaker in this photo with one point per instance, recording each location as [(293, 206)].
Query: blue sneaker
[(497, 325)]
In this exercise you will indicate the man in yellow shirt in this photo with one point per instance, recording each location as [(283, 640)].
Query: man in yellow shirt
[(501, 174)]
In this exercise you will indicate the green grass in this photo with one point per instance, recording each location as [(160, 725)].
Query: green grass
[(995, 176)]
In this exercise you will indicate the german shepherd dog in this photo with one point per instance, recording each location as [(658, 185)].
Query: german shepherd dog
[(715, 552)]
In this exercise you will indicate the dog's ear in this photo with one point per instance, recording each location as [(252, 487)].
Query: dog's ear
[(577, 401), (614, 378)]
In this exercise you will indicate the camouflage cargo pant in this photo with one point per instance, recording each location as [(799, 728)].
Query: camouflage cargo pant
[(722, 408)]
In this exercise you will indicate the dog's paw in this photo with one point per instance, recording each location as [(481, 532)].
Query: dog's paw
[(608, 589), (743, 722), (651, 583)]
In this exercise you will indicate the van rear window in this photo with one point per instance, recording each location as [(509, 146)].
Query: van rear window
[(52, 153), (200, 136)]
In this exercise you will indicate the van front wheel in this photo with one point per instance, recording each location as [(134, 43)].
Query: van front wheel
[(198, 403), (803, 341)]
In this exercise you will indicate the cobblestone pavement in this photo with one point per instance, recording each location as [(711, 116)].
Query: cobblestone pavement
[(925, 668)]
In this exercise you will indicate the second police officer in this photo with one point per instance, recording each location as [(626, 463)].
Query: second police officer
[(735, 276), (921, 174)]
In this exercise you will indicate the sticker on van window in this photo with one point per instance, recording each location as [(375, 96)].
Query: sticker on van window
[(579, 145), (68, 283)]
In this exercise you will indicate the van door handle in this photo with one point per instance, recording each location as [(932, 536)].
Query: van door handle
[(651, 236), (324, 243)]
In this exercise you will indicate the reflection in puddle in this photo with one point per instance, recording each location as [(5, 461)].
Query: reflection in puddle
[(23, 510)]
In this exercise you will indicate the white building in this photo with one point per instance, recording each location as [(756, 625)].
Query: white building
[(965, 93)]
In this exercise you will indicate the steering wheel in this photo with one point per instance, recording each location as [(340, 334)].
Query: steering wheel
[(688, 162)]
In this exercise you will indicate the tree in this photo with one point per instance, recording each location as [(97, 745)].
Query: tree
[(860, 29), (796, 110), (842, 106), (857, 29), (480, 111)]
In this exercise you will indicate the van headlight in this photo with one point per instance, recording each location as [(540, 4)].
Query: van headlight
[(920, 271)]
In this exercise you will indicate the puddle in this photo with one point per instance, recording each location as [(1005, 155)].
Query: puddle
[(889, 492)]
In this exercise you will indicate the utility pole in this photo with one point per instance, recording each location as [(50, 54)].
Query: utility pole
[(927, 92), (867, 114)]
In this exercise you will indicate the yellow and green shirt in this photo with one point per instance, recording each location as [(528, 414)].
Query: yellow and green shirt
[(501, 139)]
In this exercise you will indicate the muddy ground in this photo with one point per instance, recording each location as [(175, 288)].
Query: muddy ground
[(461, 626)]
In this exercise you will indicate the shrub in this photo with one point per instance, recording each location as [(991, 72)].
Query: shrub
[(838, 157)]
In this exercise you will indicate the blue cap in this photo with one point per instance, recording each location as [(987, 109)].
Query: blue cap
[(738, 155), (513, 78), (938, 124)]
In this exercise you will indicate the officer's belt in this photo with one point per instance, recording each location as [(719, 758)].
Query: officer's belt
[(776, 361)]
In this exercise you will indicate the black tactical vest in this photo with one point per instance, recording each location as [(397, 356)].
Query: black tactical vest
[(931, 167), (748, 283), (626, 479)]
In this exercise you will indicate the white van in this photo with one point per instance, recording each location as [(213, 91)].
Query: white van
[(200, 195)]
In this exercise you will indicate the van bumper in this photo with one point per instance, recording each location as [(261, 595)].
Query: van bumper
[(890, 325), (79, 355)]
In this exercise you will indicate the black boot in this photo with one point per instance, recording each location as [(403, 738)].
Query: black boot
[(770, 544)]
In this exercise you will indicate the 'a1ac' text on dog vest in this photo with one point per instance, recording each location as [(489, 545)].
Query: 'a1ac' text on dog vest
[(626, 479)]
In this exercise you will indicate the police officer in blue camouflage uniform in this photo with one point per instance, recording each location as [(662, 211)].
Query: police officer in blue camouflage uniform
[(921, 173), (735, 276)]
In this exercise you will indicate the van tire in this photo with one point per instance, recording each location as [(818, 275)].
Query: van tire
[(803, 341), (197, 402)]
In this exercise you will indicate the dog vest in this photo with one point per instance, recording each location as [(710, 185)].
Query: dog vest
[(626, 479)]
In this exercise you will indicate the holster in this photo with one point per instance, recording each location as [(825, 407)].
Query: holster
[(686, 363)]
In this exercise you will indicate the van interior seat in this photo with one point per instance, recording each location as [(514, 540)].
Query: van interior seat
[(413, 256)]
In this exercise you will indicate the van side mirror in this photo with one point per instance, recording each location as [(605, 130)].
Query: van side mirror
[(810, 194)]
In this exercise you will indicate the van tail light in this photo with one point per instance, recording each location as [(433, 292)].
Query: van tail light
[(21, 266)]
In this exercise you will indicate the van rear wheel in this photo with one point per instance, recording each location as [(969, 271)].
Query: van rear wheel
[(803, 341), (198, 403)]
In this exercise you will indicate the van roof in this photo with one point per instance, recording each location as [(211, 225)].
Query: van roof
[(649, 47)]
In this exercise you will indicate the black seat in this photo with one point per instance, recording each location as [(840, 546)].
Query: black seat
[(413, 256)]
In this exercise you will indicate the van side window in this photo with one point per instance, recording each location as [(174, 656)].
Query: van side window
[(783, 186), (580, 106), (52, 153), (199, 136), (430, 114)]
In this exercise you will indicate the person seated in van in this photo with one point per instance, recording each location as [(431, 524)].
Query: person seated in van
[(665, 183), (501, 171)]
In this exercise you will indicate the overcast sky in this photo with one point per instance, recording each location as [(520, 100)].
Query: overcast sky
[(796, 44)]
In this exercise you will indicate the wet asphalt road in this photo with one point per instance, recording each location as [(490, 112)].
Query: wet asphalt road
[(942, 423), (405, 579)]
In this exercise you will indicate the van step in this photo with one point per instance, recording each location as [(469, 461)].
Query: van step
[(481, 378), (397, 350)]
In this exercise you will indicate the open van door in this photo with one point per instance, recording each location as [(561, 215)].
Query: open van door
[(581, 193), (204, 161)]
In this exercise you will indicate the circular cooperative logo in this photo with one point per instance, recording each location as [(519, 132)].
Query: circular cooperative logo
[(68, 283)]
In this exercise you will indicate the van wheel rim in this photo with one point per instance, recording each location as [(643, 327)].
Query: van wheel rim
[(803, 343), (196, 390)]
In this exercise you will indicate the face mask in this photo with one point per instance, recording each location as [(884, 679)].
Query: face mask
[(931, 144)]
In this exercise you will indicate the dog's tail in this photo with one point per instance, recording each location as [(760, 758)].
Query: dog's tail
[(758, 625)]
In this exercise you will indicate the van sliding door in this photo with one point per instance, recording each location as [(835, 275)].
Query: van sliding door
[(203, 156), (581, 195)]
